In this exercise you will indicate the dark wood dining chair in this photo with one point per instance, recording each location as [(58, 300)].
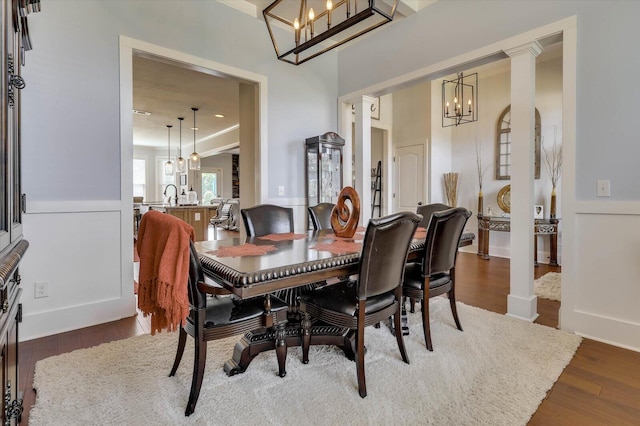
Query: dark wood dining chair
[(375, 296), (265, 219), (426, 210), (436, 274), (219, 316), (320, 215)]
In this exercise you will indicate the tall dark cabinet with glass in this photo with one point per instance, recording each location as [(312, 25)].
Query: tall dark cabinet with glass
[(323, 168), (14, 42)]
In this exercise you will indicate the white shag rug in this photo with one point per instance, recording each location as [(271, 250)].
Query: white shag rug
[(548, 286), (495, 372)]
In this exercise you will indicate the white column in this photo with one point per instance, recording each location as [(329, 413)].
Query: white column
[(345, 123), (363, 156), (522, 302)]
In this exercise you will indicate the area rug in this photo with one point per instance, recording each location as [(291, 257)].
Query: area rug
[(495, 372), (548, 286)]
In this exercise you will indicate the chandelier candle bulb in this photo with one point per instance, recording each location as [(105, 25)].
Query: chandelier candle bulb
[(329, 7), (312, 15), (296, 28)]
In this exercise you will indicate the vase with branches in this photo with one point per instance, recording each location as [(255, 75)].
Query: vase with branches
[(481, 172), (553, 161), (451, 185)]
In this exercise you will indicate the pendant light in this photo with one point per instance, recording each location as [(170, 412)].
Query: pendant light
[(194, 159), (181, 164), (168, 166)]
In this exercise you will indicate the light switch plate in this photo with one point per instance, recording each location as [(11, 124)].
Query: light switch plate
[(603, 188), (281, 190)]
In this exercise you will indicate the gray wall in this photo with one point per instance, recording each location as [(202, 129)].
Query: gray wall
[(73, 88)]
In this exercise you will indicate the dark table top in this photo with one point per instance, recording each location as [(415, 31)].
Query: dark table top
[(292, 263)]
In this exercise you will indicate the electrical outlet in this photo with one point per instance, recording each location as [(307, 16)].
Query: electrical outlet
[(281, 190), (41, 289)]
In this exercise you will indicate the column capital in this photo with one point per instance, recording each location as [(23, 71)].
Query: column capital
[(365, 100), (534, 48)]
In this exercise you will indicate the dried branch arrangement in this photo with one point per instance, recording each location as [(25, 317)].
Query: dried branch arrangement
[(451, 185), (553, 160), (481, 171)]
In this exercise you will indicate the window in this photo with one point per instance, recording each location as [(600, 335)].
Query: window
[(139, 177), (211, 181), (162, 179)]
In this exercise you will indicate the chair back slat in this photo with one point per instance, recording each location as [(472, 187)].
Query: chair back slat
[(384, 253), (197, 299)]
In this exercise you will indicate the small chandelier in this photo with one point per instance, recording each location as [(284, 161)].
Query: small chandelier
[(320, 25), (168, 166), (194, 158), (460, 100), (181, 163)]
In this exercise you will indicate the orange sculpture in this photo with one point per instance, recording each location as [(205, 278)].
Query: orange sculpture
[(344, 217)]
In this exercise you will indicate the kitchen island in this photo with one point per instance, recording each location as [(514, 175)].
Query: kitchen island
[(197, 216)]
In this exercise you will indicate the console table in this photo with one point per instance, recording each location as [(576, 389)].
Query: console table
[(544, 227)]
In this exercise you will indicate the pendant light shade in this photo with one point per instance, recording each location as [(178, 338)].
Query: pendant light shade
[(194, 159), (181, 163), (168, 166)]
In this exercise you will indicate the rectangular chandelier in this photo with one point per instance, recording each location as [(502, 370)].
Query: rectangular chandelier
[(314, 27), (460, 100)]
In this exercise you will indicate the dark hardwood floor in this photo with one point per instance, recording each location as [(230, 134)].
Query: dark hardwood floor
[(600, 386)]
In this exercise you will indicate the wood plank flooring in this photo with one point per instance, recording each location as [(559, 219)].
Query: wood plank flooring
[(601, 385)]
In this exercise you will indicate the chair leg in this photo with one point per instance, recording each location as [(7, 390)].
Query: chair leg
[(281, 349), (199, 360), (397, 318), (454, 311), (182, 340), (306, 338), (425, 324), (362, 383), (412, 304)]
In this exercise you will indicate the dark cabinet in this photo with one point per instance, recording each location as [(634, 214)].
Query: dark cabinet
[(14, 42), (323, 168)]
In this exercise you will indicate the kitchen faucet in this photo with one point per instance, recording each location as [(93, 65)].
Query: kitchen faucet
[(176, 193)]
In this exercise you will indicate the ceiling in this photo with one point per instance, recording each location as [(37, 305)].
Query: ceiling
[(167, 90)]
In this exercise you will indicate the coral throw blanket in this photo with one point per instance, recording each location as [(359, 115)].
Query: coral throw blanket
[(164, 248)]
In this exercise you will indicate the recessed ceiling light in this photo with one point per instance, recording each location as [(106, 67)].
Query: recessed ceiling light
[(139, 112), (219, 116)]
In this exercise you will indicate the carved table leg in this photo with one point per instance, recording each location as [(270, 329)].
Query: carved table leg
[(306, 338), (281, 349)]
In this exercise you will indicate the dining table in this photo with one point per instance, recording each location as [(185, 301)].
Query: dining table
[(285, 265)]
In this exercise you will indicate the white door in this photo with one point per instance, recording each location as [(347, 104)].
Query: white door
[(409, 178)]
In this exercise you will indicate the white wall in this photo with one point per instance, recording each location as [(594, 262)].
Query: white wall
[(495, 98), (72, 166), (596, 128)]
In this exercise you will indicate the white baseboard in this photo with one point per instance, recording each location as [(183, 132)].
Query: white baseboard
[(46, 323)]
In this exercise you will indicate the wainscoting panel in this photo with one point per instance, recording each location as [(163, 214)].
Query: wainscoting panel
[(600, 295), (79, 255)]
